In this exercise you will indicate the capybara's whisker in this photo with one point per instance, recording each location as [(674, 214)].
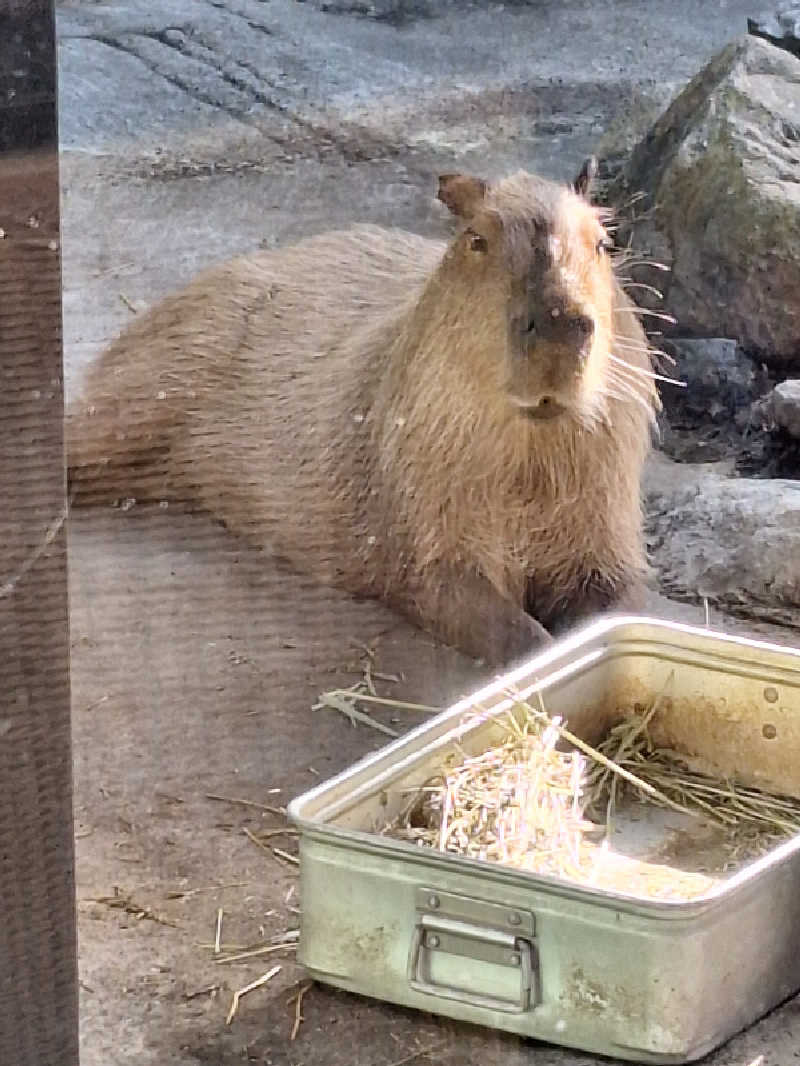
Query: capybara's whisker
[(642, 372), (617, 392), (640, 261), (635, 349), (662, 315), (644, 287), (628, 387), (622, 368), (644, 348), (657, 355)]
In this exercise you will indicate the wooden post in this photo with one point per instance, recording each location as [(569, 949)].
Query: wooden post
[(38, 977)]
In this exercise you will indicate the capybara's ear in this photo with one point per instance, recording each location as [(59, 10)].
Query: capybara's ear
[(585, 179), (461, 194)]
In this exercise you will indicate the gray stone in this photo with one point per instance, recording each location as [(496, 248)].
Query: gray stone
[(395, 12), (782, 28), (402, 12), (719, 378), (485, 86), (720, 171), (784, 407), (733, 541)]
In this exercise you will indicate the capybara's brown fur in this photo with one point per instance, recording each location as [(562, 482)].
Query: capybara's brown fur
[(457, 429)]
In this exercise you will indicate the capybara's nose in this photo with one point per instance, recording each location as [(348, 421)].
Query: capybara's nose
[(580, 328), (558, 325), (568, 327)]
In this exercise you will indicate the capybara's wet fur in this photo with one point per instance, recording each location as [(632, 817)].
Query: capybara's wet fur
[(457, 429)]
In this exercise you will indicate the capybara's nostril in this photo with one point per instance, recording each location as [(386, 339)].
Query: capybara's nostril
[(545, 408), (581, 327)]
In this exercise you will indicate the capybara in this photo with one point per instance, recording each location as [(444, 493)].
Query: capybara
[(456, 428)]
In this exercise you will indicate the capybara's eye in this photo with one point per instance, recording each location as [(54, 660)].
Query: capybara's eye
[(478, 243)]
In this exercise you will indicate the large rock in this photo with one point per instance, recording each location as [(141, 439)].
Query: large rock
[(781, 28), (720, 171), (719, 379), (733, 541), (784, 407)]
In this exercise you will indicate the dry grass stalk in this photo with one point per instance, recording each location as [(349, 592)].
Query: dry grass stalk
[(346, 700), (266, 949), (281, 811), (187, 893), (270, 849), (124, 902), (281, 854), (129, 303), (258, 843), (286, 941), (218, 932), (209, 990), (298, 1008), (237, 996), (598, 756)]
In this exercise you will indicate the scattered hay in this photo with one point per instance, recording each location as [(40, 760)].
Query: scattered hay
[(258, 983), (246, 803), (286, 856), (123, 901), (346, 700), (298, 1007), (270, 849), (218, 932), (285, 942), (209, 990)]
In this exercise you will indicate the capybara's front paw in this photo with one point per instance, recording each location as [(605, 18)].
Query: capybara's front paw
[(517, 637)]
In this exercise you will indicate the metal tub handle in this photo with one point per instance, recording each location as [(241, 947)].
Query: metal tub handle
[(435, 938)]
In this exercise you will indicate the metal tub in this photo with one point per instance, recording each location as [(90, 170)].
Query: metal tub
[(637, 979)]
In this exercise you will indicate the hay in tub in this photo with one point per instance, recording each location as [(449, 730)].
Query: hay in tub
[(528, 804)]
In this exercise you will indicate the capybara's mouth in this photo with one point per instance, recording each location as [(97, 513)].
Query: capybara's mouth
[(542, 411)]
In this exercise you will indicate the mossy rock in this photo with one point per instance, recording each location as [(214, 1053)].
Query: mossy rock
[(720, 174)]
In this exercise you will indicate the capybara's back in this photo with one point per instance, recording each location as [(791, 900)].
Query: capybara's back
[(458, 429), (241, 365)]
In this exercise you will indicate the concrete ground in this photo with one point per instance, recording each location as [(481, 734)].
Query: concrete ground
[(192, 130)]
